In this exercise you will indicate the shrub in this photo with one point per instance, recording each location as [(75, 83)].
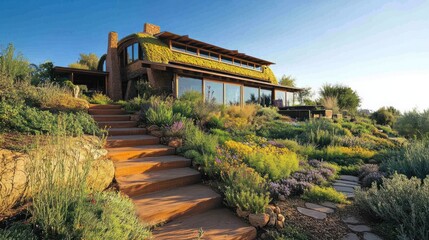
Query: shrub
[(320, 194), (279, 130), (401, 202), (411, 160), (63, 206), (289, 187), (13, 65), (26, 119), (348, 155), (373, 177), (134, 104), (385, 116), (17, 231), (247, 200), (161, 114), (350, 170), (413, 124), (99, 98), (222, 135), (346, 97), (367, 169)]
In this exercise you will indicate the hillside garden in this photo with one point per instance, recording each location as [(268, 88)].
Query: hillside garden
[(54, 173)]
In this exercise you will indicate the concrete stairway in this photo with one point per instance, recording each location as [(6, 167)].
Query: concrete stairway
[(167, 193)]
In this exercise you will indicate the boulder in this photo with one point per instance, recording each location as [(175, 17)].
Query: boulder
[(259, 219), (13, 178), (242, 214), (101, 174), (280, 217), (277, 210), (269, 210), (282, 197), (175, 142)]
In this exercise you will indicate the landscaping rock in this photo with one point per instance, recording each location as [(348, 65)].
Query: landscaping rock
[(101, 174), (277, 210), (13, 178), (153, 128), (359, 228), (273, 219), (280, 224), (351, 220), (312, 213), (135, 117), (370, 236), (329, 204), (176, 143), (351, 236), (344, 189), (259, 219), (157, 133), (242, 214), (319, 208), (349, 178), (282, 197), (269, 210), (280, 217)]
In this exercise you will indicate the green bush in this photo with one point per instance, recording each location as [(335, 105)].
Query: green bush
[(413, 124), (64, 205), (411, 160), (401, 202), (221, 134), (247, 200), (26, 119), (99, 98), (320, 194), (276, 166), (385, 116), (196, 139), (279, 130), (350, 170), (161, 114), (133, 105), (17, 231)]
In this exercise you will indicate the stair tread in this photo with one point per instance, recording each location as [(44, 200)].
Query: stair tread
[(138, 148), (101, 122), (149, 160), (163, 205), (216, 224), (112, 115), (104, 106), (125, 129), (155, 176), (130, 137)]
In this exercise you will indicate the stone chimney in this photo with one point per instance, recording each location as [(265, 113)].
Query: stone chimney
[(114, 86), (151, 29)]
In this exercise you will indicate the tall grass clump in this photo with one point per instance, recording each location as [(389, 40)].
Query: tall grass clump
[(411, 160), (63, 203), (400, 201)]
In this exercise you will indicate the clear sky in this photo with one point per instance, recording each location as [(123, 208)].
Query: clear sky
[(379, 48)]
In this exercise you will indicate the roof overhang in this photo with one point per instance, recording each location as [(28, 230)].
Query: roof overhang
[(185, 39), (69, 70), (182, 68)]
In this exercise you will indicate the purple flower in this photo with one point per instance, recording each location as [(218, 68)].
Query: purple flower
[(218, 160)]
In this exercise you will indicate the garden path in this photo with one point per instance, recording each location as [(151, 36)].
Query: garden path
[(163, 187), (345, 184)]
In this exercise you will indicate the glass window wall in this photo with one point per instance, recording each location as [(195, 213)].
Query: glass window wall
[(187, 84), (214, 91)]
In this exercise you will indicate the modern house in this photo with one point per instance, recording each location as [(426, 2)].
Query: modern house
[(176, 63)]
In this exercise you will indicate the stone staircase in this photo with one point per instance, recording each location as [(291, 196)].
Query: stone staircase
[(167, 193)]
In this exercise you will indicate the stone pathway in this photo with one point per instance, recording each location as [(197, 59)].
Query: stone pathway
[(345, 184)]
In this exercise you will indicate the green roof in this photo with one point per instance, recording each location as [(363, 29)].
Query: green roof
[(157, 51)]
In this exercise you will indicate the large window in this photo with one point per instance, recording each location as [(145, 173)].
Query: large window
[(132, 53), (129, 54), (214, 91), (251, 95), (187, 84), (214, 56), (290, 99), (232, 94), (266, 97), (280, 98)]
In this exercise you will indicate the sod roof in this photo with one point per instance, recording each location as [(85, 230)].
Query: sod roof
[(157, 51)]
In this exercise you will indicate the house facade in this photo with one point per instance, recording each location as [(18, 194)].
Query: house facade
[(176, 64)]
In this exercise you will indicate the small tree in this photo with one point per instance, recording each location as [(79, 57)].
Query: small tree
[(288, 81), (86, 61), (385, 116), (347, 98)]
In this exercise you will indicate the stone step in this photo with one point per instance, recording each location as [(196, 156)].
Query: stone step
[(148, 182), (319, 208), (126, 153), (140, 165), (167, 205), (126, 131), (349, 178), (131, 141), (312, 213), (104, 106), (347, 182), (339, 184), (105, 118), (216, 224), (344, 189), (117, 124), (106, 111)]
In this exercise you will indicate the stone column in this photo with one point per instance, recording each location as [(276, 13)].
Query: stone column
[(114, 86)]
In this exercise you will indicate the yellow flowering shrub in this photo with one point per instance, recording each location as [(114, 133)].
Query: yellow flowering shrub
[(348, 155), (268, 160)]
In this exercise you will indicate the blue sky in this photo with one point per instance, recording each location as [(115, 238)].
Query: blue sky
[(379, 48)]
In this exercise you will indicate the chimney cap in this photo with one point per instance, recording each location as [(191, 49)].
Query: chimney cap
[(151, 28)]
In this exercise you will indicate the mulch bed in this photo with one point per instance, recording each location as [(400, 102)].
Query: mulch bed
[(330, 228)]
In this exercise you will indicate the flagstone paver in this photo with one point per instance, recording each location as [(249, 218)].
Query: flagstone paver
[(329, 204), (344, 189), (370, 236), (345, 185), (349, 178), (319, 208), (347, 182), (351, 236), (312, 213), (351, 220), (359, 228)]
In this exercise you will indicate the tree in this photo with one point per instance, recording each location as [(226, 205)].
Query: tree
[(14, 65), (385, 116), (304, 96), (347, 98), (42, 73), (86, 61), (288, 81)]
